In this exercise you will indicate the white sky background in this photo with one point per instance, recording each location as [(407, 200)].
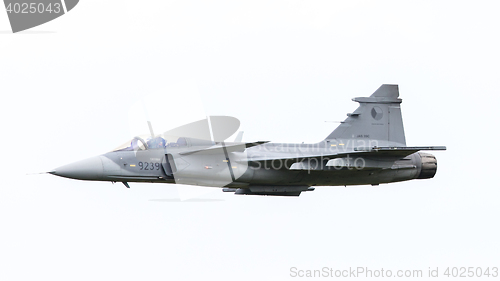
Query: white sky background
[(283, 68)]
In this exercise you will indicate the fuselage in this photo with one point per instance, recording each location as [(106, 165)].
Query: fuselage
[(234, 165), (368, 147)]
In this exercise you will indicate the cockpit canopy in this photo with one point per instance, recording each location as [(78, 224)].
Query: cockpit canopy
[(146, 142)]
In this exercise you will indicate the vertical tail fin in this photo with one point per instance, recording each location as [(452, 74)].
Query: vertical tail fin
[(378, 117)]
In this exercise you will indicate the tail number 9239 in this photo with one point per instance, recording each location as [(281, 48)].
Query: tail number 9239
[(148, 166)]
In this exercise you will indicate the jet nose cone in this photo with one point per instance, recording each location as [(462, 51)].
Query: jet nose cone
[(88, 169)]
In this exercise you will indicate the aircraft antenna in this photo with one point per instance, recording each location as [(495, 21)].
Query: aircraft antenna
[(151, 129)]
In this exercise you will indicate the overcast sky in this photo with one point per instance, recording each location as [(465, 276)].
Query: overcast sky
[(69, 89)]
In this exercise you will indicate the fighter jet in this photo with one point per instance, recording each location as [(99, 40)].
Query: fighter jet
[(367, 148)]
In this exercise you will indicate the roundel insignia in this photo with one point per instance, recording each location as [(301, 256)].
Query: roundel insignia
[(377, 113)]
